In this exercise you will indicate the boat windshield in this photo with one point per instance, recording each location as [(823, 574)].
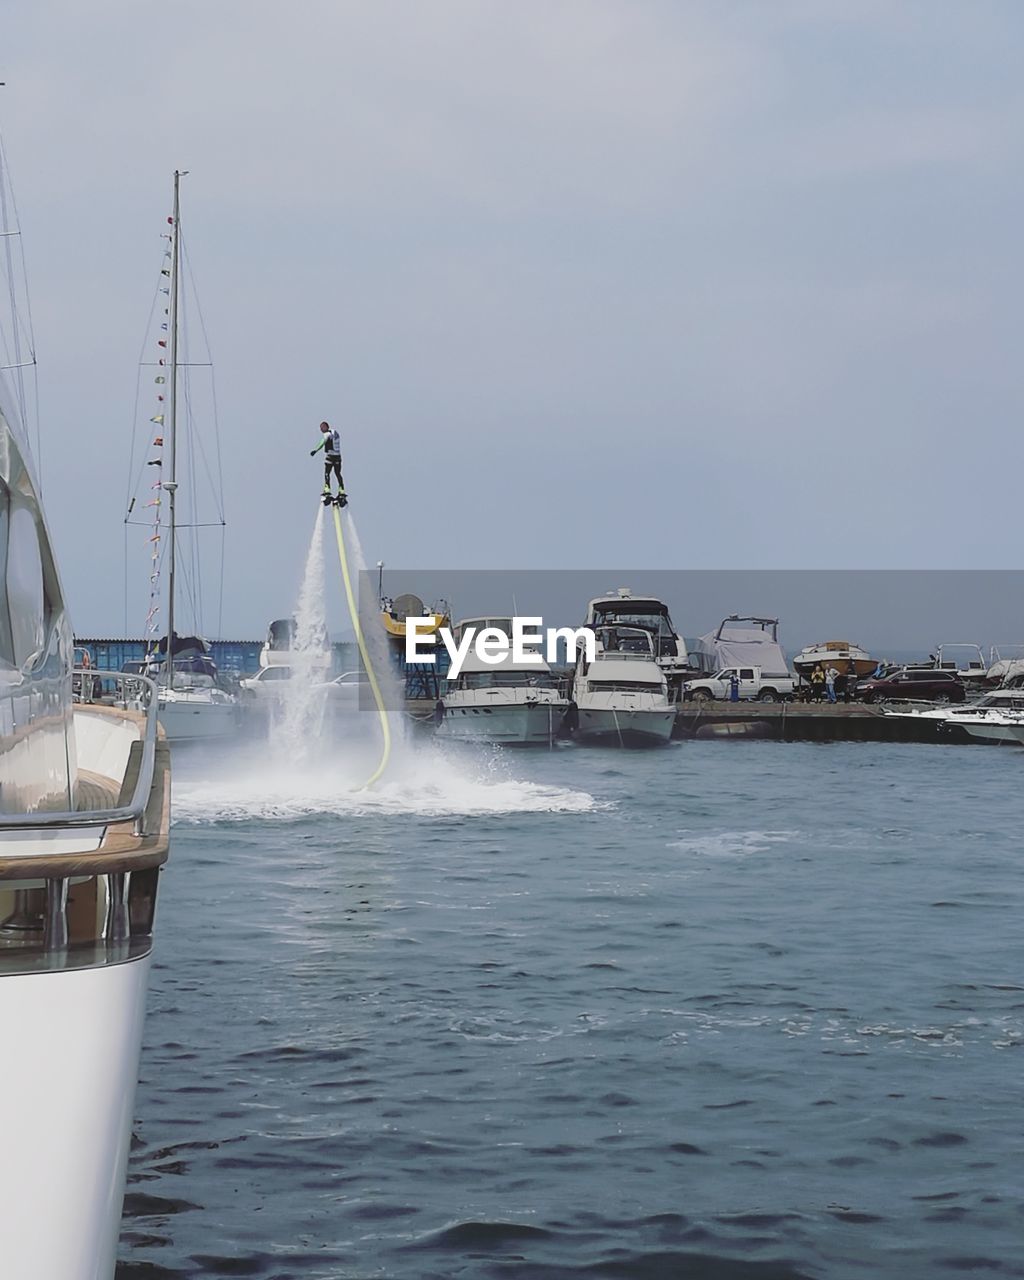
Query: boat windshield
[(625, 641), (1001, 699), (659, 624), (505, 680)]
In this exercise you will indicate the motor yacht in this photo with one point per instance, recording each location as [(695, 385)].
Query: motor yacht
[(516, 704), (993, 726), (622, 697), (84, 813), (623, 608)]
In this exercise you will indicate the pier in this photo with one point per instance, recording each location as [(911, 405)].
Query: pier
[(808, 722)]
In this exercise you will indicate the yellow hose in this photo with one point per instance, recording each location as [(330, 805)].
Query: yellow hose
[(353, 609)]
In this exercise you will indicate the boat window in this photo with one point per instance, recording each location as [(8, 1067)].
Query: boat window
[(25, 597), (625, 686), (6, 642), (505, 680), (649, 621)]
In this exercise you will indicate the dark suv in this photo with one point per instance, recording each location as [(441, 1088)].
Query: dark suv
[(923, 685)]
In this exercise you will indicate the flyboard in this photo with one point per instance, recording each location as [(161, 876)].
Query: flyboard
[(353, 609)]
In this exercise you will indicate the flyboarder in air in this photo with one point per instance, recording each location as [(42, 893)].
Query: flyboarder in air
[(330, 442)]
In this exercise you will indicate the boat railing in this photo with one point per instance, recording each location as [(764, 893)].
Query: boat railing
[(141, 692)]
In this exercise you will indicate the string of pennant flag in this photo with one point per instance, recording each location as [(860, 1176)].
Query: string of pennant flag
[(153, 624)]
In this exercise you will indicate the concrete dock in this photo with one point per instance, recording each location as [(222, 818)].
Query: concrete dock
[(781, 722), (808, 722)]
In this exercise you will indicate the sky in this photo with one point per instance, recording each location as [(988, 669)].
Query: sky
[(678, 284)]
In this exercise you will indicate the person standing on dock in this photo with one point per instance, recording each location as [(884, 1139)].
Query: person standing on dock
[(850, 688), (830, 683), (817, 682)]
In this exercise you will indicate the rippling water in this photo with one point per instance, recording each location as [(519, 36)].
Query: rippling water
[(730, 1010)]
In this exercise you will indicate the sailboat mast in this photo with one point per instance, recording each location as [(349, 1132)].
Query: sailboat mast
[(171, 484)]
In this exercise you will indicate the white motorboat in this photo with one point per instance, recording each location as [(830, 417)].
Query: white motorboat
[(277, 647), (967, 660), (194, 705), (293, 667), (283, 649), (997, 716), (622, 608), (84, 809), (995, 726), (622, 698), (509, 703)]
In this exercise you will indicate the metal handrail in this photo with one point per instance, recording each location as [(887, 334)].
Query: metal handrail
[(131, 812)]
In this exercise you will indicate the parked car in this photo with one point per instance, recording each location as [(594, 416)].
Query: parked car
[(752, 682), (920, 685), (266, 681), (348, 687)]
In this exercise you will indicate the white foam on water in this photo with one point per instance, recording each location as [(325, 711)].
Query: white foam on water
[(424, 781), (731, 844)]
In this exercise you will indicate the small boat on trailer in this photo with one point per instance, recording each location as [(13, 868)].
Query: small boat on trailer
[(834, 653)]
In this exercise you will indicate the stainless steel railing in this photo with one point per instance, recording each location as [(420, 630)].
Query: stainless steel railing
[(144, 691)]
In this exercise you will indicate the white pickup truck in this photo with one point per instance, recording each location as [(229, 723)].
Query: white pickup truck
[(753, 683)]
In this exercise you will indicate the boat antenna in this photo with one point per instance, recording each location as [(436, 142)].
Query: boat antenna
[(171, 485)]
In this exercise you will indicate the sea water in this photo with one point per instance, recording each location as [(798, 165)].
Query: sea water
[(724, 1010)]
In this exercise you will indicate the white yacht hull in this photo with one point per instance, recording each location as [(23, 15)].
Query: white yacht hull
[(641, 727), (514, 724), (991, 732), (196, 720), (69, 1069)]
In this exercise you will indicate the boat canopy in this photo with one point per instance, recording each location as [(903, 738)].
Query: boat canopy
[(745, 642), (183, 645)]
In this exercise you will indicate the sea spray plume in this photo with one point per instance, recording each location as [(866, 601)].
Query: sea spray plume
[(300, 725), (391, 684)]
